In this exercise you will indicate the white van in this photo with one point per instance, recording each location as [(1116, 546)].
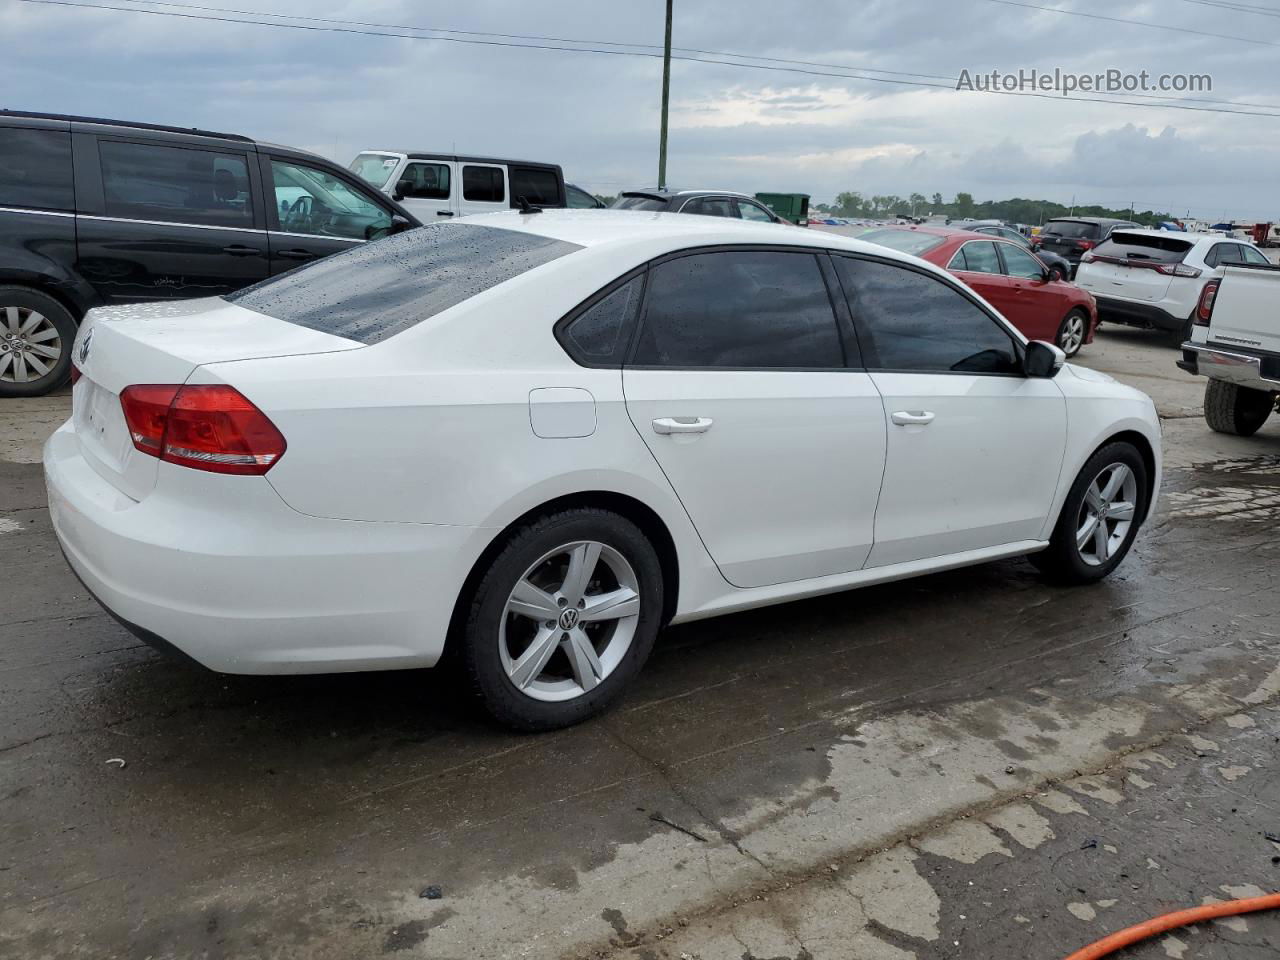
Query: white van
[(440, 185)]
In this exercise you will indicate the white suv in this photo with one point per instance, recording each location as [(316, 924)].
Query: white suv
[(1156, 278)]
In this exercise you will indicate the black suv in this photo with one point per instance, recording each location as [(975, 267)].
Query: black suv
[(98, 211), (1070, 237)]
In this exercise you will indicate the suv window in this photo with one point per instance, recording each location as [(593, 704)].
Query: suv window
[(1253, 255), (1072, 229), (750, 211), (976, 256), (739, 309), (483, 184), (601, 333), (1019, 263), (710, 207), (1167, 248), (314, 201), (540, 187), (424, 181), (148, 181), (910, 321), (35, 169), (374, 291)]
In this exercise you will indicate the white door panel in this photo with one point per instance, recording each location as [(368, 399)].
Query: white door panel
[(973, 461), (779, 470)]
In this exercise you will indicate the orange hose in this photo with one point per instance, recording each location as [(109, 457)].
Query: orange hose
[(1171, 921)]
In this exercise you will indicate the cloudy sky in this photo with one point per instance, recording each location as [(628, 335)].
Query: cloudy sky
[(731, 126)]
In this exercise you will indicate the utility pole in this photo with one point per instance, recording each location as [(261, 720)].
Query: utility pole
[(666, 93)]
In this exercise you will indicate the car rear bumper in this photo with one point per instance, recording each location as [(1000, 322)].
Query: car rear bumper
[(1233, 365), (1136, 313), (221, 569)]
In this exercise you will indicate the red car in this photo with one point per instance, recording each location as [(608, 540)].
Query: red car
[(1007, 276)]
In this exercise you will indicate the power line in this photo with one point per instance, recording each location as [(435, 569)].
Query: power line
[(1136, 23), (638, 53), (1239, 7)]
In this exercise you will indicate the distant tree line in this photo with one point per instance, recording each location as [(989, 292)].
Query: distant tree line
[(854, 204)]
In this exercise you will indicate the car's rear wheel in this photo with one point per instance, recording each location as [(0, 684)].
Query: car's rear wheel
[(36, 333), (1241, 411), (1071, 334), (563, 620), (1100, 518)]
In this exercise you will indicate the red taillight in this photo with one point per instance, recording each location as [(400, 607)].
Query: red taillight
[(209, 427), (1177, 270), (1085, 244), (1204, 309), (75, 374)]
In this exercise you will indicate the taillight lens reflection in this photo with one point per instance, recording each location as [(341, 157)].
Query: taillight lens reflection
[(1204, 309)]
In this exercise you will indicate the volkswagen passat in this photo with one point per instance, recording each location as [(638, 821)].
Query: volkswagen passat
[(540, 438)]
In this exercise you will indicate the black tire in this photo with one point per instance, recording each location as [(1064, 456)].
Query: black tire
[(25, 299), (1061, 336), (1061, 561), (479, 653), (1239, 411)]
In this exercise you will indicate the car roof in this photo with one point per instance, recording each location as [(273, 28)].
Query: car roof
[(949, 232), (447, 155), (133, 124), (669, 194)]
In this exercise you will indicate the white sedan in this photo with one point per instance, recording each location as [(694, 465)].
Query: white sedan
[(538, 438)]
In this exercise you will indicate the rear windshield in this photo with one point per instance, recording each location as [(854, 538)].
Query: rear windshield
[(379, 289), (1073, 229), (907, 241), (1138, 246), (639, 203), (375, 168)]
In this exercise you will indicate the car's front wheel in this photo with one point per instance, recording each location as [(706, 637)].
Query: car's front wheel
[(1071, 333), (1100, 518), (563, 619)]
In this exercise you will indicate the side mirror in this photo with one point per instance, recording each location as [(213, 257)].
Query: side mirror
[(1043, 359), (403, 189), (1046, 277), (399, 224)]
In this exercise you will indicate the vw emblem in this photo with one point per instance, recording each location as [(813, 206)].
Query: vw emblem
[(84, 347), (568, 618)]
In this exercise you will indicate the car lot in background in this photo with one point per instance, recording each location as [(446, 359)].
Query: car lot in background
[(1070, 237), (1157, 278), (1006, 275), (152, 213), (707, 203), (435, 185), (1059, 266)]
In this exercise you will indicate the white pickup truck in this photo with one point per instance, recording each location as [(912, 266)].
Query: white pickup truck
[(1235, 342)]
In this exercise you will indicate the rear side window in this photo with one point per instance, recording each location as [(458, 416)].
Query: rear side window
[(1141, 246), (148, 181), (35, 169), (540, 187), (739, 309), (483, 184), (600, 334), (1253, 255), (1072, 229), (376, 290), (911, 322)]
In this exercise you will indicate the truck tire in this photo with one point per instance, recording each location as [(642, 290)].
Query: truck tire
[(1239, 411), (36, 332)]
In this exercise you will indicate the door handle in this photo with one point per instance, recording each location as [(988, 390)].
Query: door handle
[(669, 425), (905, 418), (240, 250), (444, 213), (295, 254)]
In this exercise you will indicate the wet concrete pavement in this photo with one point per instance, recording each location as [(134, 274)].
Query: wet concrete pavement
[(875, 732)]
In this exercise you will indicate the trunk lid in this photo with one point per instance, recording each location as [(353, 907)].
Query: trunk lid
[(163, 343)]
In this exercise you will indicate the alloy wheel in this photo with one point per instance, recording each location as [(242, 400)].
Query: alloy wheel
[(1107, 514), (1072, 337), (569, 621), (30, 345)]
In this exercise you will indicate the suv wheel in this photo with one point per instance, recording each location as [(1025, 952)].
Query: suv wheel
[(563, 620), (36, 332), (1230, 408), (1100, 517)]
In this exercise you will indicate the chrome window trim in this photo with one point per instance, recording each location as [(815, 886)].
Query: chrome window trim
[(316, 236), (169, 223), (36, 212)]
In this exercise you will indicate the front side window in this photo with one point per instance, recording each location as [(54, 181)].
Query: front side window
[(912, 322), (979, 256), (750, 211), (1019, 263), (579, 199), (35, 169), (149, 181), (374, 291), (314, 201), (743, 309), (483, 184), (601, 333), (539, 186), (424, 181)]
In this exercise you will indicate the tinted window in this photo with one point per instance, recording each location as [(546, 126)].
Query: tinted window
[(376, 290), (1019, 263), (979, 256), (483, 184), (424, 181), (314, 201), (539, 187), (626, 202), (710, 207), (913, 322), (579, 198), (601, 333), (1074, 229), (750, 211), (739, 309), (1230, 253), (1253, 255), (35, 169), (906, 241), (1167, 248), (153, 182)]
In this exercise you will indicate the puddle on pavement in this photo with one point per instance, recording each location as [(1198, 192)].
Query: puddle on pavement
[(1242, 490)]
